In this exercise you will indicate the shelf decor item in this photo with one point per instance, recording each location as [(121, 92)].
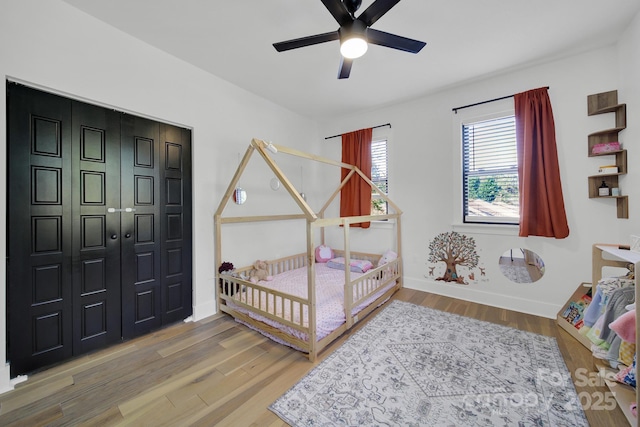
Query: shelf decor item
[(603, 190), (605, 147)]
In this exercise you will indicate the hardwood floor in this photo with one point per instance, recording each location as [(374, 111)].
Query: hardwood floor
[(218, 372)]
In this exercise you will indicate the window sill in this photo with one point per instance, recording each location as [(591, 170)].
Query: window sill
[(493, 229)]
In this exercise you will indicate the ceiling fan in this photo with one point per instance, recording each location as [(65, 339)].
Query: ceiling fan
[(354, 33)]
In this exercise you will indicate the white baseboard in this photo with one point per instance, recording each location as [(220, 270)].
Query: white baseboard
[(6, 383), (467, 293), (204, 310)]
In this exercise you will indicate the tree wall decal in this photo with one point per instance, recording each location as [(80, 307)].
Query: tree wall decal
[(453, 249)]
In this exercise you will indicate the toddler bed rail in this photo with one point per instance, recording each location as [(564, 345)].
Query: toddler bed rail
[(285, 316)]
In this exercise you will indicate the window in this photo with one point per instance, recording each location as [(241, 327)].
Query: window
[(490, 171), (379, 176)]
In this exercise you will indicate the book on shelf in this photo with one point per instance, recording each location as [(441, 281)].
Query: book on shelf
[(574, 313), (607, 169), (571, 315)]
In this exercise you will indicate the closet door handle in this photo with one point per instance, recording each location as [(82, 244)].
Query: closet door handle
[(113, 210), (114, 236), (127, 235)]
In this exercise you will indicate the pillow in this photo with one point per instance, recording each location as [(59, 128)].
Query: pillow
[(323, 253), (356, 265), (388, 256)]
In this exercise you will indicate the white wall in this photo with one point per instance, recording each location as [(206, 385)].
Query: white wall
[(53, 46), (629, 93), (424, 175)]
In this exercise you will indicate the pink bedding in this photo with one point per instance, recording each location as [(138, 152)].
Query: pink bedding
[(329, 300)]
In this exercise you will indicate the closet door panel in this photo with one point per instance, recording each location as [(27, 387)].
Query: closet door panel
[(176, 219), (96, 243), (140, 192), (39, 324)]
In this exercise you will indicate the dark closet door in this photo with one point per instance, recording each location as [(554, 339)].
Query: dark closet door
[(95, 233), (39, 302), (140, 216), (156, 223), (63, 248), (175, 158)]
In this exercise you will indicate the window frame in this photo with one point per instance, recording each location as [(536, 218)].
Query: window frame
[(382, 134), (510, 169), (374, 194), (490, 225)]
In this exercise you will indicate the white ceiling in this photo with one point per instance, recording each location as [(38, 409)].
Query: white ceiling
[(466, 40)]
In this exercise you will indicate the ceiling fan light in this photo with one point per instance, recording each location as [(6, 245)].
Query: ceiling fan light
[(353, 47)]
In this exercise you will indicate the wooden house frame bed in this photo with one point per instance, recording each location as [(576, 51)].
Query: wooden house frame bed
[(269, 311)]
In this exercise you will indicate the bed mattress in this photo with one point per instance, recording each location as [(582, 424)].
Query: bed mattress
[(329, 300)]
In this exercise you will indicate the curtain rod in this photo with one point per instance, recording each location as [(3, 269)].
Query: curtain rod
[(455, 110), (373, 127)]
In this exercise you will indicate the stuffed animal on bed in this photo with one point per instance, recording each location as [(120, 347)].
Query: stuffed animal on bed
[(259, 272), (386, 258)]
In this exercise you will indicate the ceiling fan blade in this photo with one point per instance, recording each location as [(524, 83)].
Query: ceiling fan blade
[(306, 41), (395, 42), (376, 10), (339, 11), (345, 68)]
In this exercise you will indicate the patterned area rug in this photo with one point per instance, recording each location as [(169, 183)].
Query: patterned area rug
[(415, 366)]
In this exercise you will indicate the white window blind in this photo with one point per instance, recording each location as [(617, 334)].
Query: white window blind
[(490, 171), (379, 176)]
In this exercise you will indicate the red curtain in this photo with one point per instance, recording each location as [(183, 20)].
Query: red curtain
[(355, 197), (542, 210)]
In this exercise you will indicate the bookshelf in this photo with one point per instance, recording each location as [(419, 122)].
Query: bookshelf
[(601, 103)]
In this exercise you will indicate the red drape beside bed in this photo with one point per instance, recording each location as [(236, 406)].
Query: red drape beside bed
[(355, 197)]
